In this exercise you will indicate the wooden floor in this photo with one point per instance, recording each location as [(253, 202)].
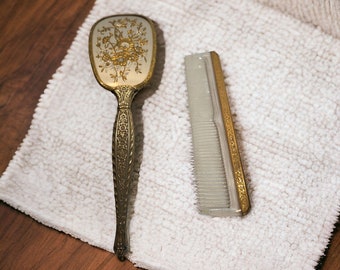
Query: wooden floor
[(35, 36)]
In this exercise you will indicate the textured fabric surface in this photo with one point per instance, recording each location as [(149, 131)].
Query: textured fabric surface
[(324, 14), (284, 82)]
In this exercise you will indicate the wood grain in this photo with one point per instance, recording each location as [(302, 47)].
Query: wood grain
[(35, 36)]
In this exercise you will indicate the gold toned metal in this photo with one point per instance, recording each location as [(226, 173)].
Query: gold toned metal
[(122, 52), (239, 178)]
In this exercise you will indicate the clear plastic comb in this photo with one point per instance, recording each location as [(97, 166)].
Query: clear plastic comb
[(221, 186)]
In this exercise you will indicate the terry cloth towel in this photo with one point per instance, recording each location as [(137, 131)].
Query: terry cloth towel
[(284, 81), (324, 14)]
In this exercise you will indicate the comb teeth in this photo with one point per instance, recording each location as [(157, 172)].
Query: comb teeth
[(217, 192)]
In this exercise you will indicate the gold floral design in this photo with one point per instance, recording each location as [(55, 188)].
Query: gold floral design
[(122, 47)]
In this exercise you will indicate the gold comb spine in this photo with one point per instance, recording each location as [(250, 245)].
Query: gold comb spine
[(236, 163)]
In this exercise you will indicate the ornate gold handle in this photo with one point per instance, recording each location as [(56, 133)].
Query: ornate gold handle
[(122, 52), (123, 161)]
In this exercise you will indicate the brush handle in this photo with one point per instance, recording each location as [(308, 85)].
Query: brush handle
[(123, 161)]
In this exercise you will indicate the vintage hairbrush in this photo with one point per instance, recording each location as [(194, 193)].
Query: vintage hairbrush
[(122, 52)]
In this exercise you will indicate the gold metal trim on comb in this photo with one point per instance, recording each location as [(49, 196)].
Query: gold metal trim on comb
[(236, 163)]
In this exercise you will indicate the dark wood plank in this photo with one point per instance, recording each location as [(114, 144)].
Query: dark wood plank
[(35, 36), (331, 260), (26, 244)]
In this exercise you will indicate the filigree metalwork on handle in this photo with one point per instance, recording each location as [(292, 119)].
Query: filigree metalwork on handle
[(122, 160)]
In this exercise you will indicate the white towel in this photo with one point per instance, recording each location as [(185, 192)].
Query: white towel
[(324, 14), (284, 82)]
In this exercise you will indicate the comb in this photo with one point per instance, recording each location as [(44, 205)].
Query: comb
[(219, 177)]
